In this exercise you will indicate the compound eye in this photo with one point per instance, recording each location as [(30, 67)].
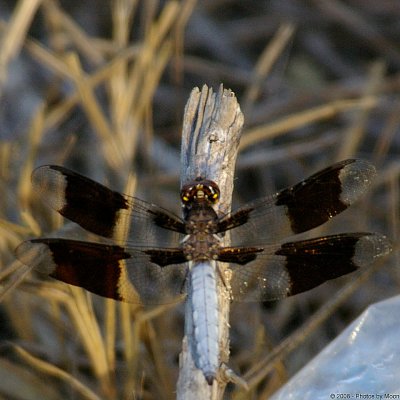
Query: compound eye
[(185, 198), (214, 197)]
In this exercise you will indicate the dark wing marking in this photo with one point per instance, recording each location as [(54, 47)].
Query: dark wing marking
[(300, 208), (238, 255), (128, 275), (106, 212), (290, 268)]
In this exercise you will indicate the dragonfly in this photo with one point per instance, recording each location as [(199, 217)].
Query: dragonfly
[(165, 255)]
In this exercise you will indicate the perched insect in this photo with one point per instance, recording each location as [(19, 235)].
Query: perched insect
[(164, 251)]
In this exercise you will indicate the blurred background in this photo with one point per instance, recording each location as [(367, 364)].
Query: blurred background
[(100, 86)]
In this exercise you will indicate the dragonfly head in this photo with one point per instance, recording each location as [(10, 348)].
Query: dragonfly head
[(199, 191)]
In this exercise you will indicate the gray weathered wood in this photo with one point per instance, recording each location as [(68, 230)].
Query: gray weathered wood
[(211, 134)]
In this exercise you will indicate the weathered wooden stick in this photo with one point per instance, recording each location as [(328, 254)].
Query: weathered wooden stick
[(211, 133)]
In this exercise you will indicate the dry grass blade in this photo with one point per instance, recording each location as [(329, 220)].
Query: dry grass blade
[(355, 22), (83, 317), (18, 273), (354, 136), (389, 133), (57, 114), (22, 383), (266, 61), (154, 39), (18, 26), (56, 372), (75, 34), (185, 13), (88, 100), (326, 111), (35, 137)]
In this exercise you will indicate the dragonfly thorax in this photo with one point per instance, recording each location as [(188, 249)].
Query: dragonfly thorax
[(201, 242)]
